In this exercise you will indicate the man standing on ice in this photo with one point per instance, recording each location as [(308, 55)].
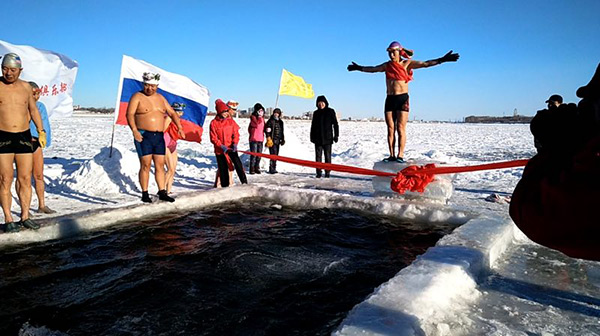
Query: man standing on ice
[(17, 107), (398, 72), (145, 116)]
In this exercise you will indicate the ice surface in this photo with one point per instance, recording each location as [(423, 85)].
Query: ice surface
[(485, 278)]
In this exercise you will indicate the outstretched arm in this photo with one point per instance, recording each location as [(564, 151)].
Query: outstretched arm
[(356, 67), (449, 57)]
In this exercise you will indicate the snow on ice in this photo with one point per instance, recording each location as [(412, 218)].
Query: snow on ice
[(455, 288)]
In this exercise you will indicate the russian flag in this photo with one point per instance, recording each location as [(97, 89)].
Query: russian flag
[(174, 87)]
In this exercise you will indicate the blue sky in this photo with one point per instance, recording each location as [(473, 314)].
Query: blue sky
[(514, 54)]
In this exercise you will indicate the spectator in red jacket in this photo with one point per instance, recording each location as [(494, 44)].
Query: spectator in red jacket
[(225, 136)]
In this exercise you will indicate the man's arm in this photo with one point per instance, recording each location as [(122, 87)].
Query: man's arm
[(449, 57), (356, 67), (35, 114), (336, 127), (131, 109), (175, 118)]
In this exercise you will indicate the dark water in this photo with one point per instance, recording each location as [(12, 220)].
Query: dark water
[(244, 269)]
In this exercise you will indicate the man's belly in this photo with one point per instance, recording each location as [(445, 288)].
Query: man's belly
[(396, 87), (14, 122), (150, 122)]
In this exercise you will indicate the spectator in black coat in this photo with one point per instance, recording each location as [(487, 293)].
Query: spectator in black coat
[(324, 131), (275, 137)]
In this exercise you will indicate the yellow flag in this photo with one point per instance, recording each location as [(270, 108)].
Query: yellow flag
[(293, 85)]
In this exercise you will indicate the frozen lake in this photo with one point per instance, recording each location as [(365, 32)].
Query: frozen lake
[(525, 290)]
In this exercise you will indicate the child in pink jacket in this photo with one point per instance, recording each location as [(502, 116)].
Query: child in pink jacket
[(257, 136)]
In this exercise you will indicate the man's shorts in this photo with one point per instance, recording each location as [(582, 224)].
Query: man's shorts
[(16, 143), (395, 103), (152, 143)]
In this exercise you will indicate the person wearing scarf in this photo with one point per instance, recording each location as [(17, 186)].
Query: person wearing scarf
[(398, 72)]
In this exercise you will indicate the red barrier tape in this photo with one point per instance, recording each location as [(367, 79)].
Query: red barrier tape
[(321, 165), (413, 178)]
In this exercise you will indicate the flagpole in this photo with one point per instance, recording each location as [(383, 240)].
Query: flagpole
[(279, 89), (111, 141), (117, 105)]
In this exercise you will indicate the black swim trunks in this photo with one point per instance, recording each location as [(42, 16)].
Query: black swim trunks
[(152, 143), (395, 103), (17, 143), (36, 143)]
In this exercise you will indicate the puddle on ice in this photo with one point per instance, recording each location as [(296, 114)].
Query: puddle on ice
[(248, 267)]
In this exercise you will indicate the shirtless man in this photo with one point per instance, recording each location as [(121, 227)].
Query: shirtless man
[(17, 108), (146, 118), (398, 72)]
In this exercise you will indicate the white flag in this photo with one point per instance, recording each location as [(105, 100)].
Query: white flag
[(54, 73)]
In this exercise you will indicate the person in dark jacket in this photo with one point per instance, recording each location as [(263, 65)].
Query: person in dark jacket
[(324, 131), (275, 137), (555, 201)]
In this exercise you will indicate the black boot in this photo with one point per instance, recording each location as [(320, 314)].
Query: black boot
[(327, 174), (146, 197), (256, 169), (318, 173), (162, 195)]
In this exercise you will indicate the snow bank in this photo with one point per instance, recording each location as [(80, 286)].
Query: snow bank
[(440, 190), (434, 288), (103, 175)]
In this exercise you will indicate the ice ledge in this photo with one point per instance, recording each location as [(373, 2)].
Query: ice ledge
[(74, 224), (77, 223), (438, 283)]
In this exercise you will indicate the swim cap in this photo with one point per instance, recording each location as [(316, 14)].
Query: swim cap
[(394, 45), (11, 60), (178, 107), (34, 85), (151, 78), (406, 53)]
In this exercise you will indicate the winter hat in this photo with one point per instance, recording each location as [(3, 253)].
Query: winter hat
[(233, 104), (555, 98), (406, 53), (12, 60), (257, 107), (277, 110), (221, 106), (151, 78), (322, 99)]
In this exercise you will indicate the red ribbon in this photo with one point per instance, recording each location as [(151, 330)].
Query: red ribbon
[(413, 178)]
